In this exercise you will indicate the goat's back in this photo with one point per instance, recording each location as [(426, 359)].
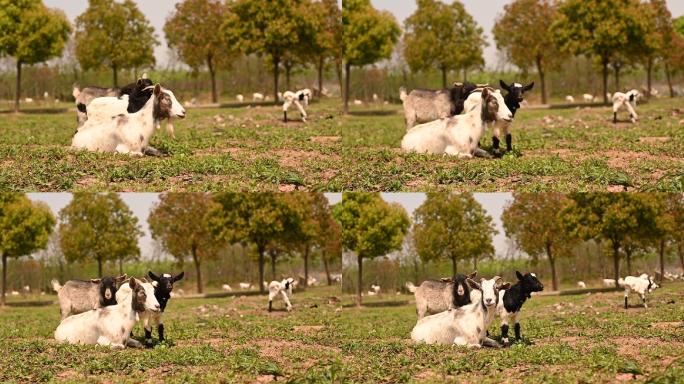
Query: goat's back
[(78, 296)]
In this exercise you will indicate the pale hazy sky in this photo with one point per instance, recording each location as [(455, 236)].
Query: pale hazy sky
[(139, 203), (493, 203), (484, 11)]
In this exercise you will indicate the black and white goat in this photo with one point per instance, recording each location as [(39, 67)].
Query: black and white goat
[(283, 288), (627, 101), (433, 296), (300, 99), (78, 296), (511, 301), (640, 284)]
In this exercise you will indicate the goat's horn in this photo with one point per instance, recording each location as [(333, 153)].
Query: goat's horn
[(497, 278)]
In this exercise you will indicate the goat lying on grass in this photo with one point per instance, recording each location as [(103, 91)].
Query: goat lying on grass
[(459, 135), (434, 296), (78, 296), (112, 325)]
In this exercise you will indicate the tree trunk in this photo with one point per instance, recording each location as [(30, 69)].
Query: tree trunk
[(454, 268), (347, 83), (212, 73), (340, 75), (465, 74), (668, 74), (681, 255), (617, 78), (605, 83), (115, 77), (359, 283), (444, 77), (327, 268), (662, 261), (99, 267), (306, 265), (120, 266), (4, 280), (198, 270), (288, 73), (552, 263), (261, 249), (321, 64), (542, 79), (273, 266), (17, 94), (276, 74), (649, 76), (475, 263), (616, 264), (628, 259)]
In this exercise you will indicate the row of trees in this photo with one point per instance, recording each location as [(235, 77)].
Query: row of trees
[(188, 226)]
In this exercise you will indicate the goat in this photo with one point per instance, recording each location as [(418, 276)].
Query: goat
[(512, 300), (459, 135), (628, 101), (581, 284), (569, 99), (240, 98), (110, 326), (410, 287), (466, 325), (608, 282), (86, 95), (78, 296), (588, 98), (640, 284), (127, 133), (226, 288), (514, 96), (358, 102), (257, 96), (284, 288), (297, 98), (375, 288), (434, 296), (426, 105), (245, 285)]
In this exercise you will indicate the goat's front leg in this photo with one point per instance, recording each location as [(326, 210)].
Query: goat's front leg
[(170, 130), (626, 300), (160, 330), (643, 300), (517, 331), (504, 333), (301, 110), (288, 305)]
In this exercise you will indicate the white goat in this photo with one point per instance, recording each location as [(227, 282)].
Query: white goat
[(245, 285), (569, 99), (627, 101), (226, 288), (297, 98), (608, 282), (588, 98), (459, 135), (581, 284), (112, 325), (640, 284), (240, 98), (283, 288), (466, 325), (257, 96), (375, 288), (410, 287)]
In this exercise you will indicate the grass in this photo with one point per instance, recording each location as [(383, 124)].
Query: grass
[(243, 149), (586, 339), (210, 340), (564, 150)]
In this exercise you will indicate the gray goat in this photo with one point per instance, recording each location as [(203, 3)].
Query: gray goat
[(78, 296), (434, 296), (425, 105)]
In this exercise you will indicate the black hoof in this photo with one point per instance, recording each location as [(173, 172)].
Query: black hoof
[(497, 153)]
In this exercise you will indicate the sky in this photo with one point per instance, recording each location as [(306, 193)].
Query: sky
[(139, 203), (493, 203), (485, 13)]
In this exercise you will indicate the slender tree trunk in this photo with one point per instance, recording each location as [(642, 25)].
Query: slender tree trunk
[(4, 280), (347, 83), (273, 266), (475, 263), (454, 268), (465, 74), (444, 77), (681, 255), (321, 64), (616, 264), (668, 74), (17, 94), (276, 75), (261, 249), (628, 259), (542, 79), (649, 76), (617, 78), (120, 266), (99, 267), (359, 283), (662, 261), (552, 263), (605, 83), (198, 270), (340, 75), (115, 76), (288, 73), (306, 264), (326, 265), (212, 73)]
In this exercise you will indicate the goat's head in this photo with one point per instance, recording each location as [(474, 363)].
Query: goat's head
[(490, 290), (634, 95), (304, 95), (288, 284), (494, 107), (108, 287), (651, 284), (461, 290), (164, 285), (143, 296), (166, 105), (517, 90), (529, 282)]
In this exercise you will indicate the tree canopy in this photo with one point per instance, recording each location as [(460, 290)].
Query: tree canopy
[(98, 227)]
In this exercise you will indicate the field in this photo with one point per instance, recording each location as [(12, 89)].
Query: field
[(210, 340), (237, 149), (561, 150), (566, 339)]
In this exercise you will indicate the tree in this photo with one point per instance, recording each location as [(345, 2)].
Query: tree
[(256, 218), (114, 35), (99, 227), (25, 228), (268, 27), (329, 242), (31, 33), (369, 36), (614, 217), (442, 36), (179, 223), (668, 211), (371, 227), (535, 223), (657, 40), (522, 33), (327, 43), (453, 227), (191, 31), (598, 28)]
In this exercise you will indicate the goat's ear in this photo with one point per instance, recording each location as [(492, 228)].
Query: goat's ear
[(505, 286), (504, 85), (132, 282), (472, 275), (152, 276), (95, 281), (518, 275), (157, 90), (528, 87), (473, 284), (485, 93), (121, 278), (178, 276)]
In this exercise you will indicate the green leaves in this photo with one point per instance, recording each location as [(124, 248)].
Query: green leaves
[(369, 35), (25, 226)]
